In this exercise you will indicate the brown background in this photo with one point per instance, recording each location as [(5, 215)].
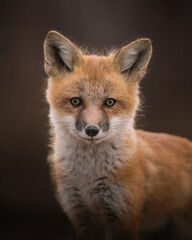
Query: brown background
[(28, 206)]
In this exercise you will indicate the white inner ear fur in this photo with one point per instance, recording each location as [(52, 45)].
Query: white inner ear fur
[(129, 60), (134, 58)]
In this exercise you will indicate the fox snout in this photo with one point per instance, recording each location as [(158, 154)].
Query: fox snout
[(92, 122), (93, 131)]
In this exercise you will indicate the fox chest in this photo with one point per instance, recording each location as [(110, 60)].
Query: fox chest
[(89, 189)]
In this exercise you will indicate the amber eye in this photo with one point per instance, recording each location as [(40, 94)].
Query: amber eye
[(110, 102), (75, 102)]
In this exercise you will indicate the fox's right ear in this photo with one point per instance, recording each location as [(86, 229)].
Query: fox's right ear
[(61, 55), (132, 60)]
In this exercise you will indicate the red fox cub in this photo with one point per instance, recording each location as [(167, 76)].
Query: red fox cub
[(113, 181)]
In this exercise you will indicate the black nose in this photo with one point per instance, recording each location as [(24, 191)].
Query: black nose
[(92, 131)]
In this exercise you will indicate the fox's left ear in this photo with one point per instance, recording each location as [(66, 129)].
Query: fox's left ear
[(132, 60), (61, 55)]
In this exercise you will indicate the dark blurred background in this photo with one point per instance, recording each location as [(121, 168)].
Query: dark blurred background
[(28, 205)]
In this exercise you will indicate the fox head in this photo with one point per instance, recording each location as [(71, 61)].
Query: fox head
[(93, 98)]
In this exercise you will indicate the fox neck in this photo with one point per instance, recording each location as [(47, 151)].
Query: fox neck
[(94, 159)]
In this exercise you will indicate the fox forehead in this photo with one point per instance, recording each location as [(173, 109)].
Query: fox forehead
[(96, 66), (94, 80)]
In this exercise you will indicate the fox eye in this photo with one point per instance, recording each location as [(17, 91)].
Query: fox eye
[(75, 102), (109, 102)]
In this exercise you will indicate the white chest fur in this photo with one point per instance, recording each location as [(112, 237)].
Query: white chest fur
[(88, 188)]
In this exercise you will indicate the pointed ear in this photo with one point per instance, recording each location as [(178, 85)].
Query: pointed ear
[(61, 55), (132, 60)]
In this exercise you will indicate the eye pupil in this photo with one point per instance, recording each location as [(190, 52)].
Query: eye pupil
[(110, 102), (75, 102)]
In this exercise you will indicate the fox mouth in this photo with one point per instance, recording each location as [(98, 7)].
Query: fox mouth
[(92, 139)]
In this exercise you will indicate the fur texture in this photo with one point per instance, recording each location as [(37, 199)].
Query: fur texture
[(118, 182)]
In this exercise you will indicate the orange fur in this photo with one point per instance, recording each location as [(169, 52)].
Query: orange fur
[(156, 169)]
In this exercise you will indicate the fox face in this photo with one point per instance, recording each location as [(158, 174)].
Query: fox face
[(93, 98)]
